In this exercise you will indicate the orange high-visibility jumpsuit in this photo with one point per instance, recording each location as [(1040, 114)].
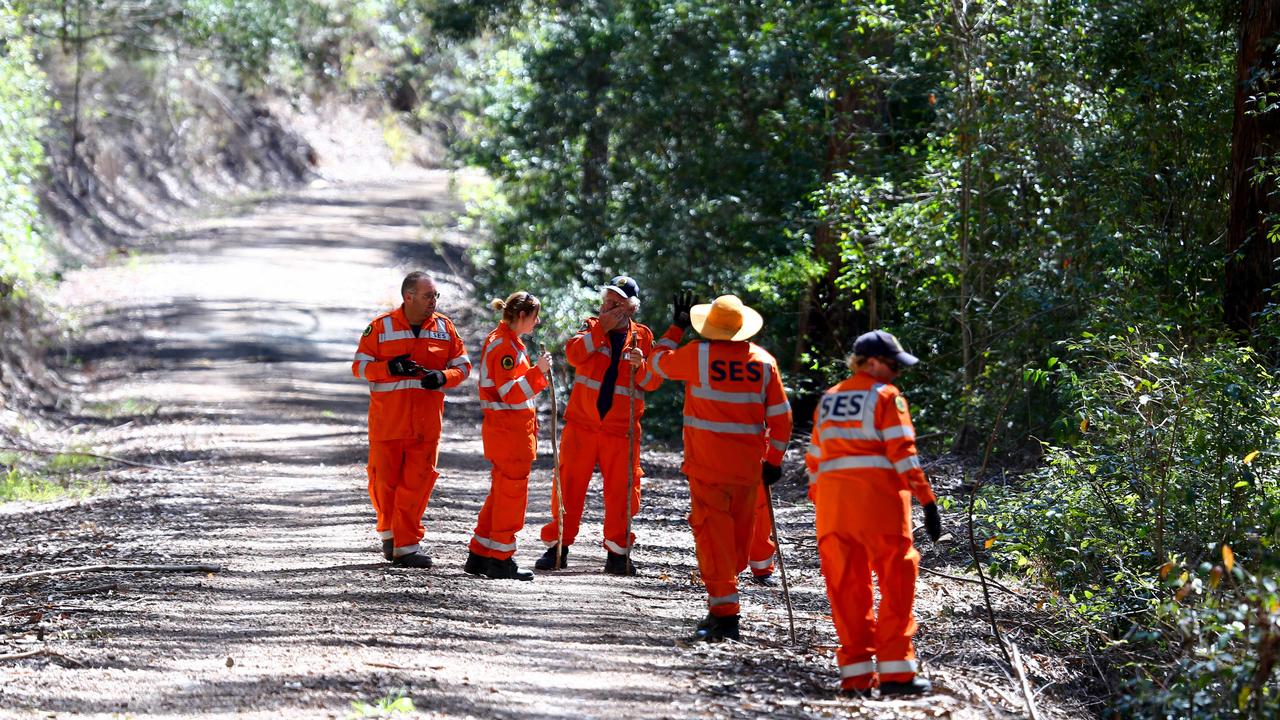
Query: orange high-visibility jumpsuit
[(404, 418), (508, 384), (736, 415), (863, 470), (590, 440)]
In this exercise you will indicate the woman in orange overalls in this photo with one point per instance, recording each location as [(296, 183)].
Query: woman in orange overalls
[(863, 470), (508, 384)]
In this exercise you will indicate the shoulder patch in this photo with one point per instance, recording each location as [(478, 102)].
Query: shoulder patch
[(368, 331), (901, 403), (508, 362)]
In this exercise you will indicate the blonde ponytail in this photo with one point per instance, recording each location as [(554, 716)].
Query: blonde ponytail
[(517, 303), (497, 304)]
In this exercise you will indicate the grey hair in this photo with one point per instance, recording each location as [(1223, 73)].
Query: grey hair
[(634, 302)]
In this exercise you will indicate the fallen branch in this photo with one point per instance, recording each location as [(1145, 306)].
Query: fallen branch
[(1022, 680), (111, 458), (962, 578), (109, 568), (19, 656)]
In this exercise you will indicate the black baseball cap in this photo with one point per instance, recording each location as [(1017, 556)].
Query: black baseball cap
[(879, 343), (624, 286)]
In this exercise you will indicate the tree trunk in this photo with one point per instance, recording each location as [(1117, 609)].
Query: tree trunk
[(1251, 254)]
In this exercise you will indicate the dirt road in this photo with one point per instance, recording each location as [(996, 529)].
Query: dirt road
[(223, 355)]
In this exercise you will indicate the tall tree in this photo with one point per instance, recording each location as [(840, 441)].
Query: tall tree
[(1254, 224)]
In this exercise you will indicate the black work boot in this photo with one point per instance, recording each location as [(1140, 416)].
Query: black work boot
[(389, 549), (618, 564), (915, 686), (413, 560), (716, 627), (476, 564), (765, 580), (548, 559), (506, 570)]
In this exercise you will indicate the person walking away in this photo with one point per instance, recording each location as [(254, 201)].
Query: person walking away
[(609, 355), (736, 425), (409, 356), (508, 384), (864, 467)]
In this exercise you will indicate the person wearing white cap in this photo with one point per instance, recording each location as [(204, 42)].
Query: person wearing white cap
[(736, 425)]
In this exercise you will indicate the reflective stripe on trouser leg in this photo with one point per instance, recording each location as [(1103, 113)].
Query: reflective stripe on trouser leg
[(896, 563), (413, 491), (761, 556), (510, 447), (858, 676), (385, 460), (578, 452), (847, 570), (613, 467), (721, 516)]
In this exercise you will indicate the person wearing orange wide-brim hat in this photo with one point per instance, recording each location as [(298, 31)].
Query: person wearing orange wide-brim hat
[(736, 424)]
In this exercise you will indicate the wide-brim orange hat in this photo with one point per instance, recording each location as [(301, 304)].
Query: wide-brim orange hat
[(726, 318)]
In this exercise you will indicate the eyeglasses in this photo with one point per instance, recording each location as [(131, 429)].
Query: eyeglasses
[(891, 363), (432, 295)]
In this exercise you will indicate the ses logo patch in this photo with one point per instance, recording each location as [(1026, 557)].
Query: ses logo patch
[(842, 406)]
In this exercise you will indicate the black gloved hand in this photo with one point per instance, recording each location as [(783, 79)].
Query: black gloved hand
[(402, 366), (433, 380), (770, 473), (932, 522), (680, 305)]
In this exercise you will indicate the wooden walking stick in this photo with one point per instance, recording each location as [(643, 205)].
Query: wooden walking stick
[(631, 445), (782, 567)]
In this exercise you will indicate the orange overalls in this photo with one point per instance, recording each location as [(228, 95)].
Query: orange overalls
[(404, 418), (508, 384), (863, 470), (761, 556), (736, 415), (590, 440)]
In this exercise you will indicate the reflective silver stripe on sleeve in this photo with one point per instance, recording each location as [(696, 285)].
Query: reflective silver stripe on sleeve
[(814, 451), (761, 564), (869, 412), (910, 462), (585, 380), (666, 343), (647, 378), (897, 666), (488, 382), (364, 361), (524, 385), (704, 363), (613, 547), (391, 386), (781, 408), (740, 398), (366, 358), (655, 363), (813, 477), (847, 433), (780, 445), (723, 427), (856, 669), (460, 360), (506, 388), (589, 342), (898, 431), (722, 600), (856, 462), (493, 545), (526, 405)]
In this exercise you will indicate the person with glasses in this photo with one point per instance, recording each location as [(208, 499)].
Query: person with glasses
[(863, 471), (409, 356)]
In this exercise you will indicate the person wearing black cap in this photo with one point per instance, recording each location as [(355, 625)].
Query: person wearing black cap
[(610, 356), (863, 471)]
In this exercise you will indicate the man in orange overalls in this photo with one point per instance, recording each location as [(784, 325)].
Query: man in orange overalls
[(408, 356), (863, 470), (736, 425), (596, 425)]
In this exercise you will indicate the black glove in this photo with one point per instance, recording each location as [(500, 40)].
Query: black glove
[(770, 473), (680, 305), (432, 380), (402, 366), (932, 522)]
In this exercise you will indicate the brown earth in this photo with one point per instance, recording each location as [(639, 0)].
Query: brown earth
[(222, 356)]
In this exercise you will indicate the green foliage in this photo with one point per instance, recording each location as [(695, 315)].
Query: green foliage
[(396, 703), (23, 106)]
